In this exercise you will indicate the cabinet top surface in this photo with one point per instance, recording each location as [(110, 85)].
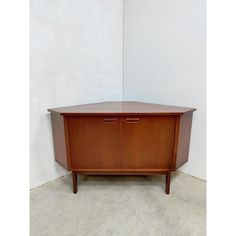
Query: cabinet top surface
[(120, 108)]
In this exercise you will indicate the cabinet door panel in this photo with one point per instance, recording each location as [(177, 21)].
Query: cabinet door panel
[(148, 142), (95, 142)]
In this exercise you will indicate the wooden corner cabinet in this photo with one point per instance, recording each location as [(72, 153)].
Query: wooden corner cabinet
[(123, 138)]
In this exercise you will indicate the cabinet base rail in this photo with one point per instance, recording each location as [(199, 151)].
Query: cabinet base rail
[(75, 182)]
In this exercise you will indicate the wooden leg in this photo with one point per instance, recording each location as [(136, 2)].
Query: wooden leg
[(168, 176), (74, 180)]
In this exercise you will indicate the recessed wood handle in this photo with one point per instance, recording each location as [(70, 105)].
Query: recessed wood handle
[(110, 120), (132, 120)]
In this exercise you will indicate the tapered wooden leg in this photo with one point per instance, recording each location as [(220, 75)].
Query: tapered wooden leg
[(168, 176), (74, 180)]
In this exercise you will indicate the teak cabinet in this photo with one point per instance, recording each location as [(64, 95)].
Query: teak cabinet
[(121, 138)]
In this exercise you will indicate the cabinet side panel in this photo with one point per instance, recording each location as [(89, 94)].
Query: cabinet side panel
[(59, 139), (185, 124)]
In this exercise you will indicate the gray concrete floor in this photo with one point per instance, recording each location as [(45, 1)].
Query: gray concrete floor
[(120, 205)]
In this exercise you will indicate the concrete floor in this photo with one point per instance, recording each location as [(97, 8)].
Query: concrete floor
[(120, 205)]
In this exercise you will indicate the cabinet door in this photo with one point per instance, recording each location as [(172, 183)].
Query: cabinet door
[(94, 142), (148, 142)]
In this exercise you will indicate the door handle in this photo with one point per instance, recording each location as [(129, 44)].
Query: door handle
[(110, 120), (132, 120)]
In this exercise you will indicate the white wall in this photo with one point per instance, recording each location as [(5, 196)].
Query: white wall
[(76, 57), (164, 62)]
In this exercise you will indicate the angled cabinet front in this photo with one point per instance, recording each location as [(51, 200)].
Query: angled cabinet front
[(94, 142)]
